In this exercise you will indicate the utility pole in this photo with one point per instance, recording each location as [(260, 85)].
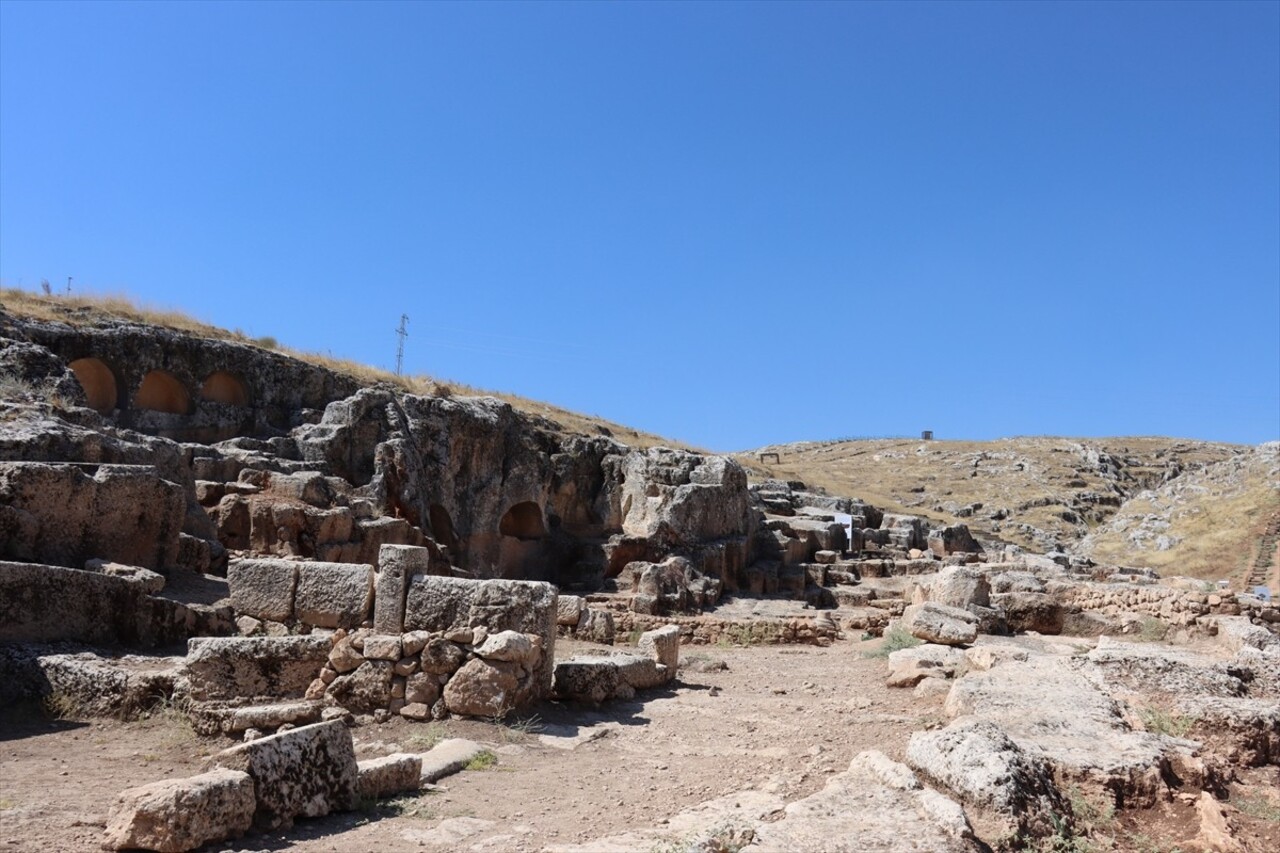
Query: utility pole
[(68, 285), (403, 333)]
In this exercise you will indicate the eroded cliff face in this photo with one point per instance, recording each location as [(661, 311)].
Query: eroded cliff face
[(249, 463), (510, 496)]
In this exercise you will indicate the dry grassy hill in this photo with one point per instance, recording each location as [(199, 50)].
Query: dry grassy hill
[(91, 310), (1209, 501)]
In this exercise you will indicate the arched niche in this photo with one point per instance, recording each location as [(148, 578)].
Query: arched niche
[(523, 521), (442, 526), (162, 392), (98, 382), (223, 387)]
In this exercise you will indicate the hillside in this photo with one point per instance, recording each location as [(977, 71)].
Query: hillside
[(1182, 506), (1179, 506), (100, 310)]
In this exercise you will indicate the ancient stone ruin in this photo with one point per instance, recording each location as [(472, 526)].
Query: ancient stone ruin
[(288, 557)]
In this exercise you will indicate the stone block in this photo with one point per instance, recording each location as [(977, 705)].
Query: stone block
[(448, 757), (397, 564), (937, 623), (182, 814), (263, 589), (382, 777), (640, 671), (587, 679), (334, 595), (382, 647), (663, 645), (569, 610), (304, 772), (483, 688), (365, 690), (247, 668), (508, 646)]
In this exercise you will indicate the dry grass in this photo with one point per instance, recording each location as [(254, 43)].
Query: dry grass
[(97, 309), (1034, 480)]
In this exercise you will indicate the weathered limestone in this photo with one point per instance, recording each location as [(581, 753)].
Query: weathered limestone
[(977, 761), (448, 757), (483, 688), (252, 668), (876, 806), (43, 603), (908, 667), (333, 595), (263, 589), (181, 814), (937, 623), (304, 772), (393, 774), (588, 679), (65, 514), (663, 645), (397, 564)]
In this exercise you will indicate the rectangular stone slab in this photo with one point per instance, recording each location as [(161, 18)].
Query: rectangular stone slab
[(333, 595), (305, 772), (263, 589)]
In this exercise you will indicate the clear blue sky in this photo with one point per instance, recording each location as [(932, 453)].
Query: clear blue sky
[(733, 224)]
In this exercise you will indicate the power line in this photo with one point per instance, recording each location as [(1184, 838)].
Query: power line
[(402, 332)]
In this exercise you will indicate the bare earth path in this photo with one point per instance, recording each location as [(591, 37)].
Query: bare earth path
[(781, 718)]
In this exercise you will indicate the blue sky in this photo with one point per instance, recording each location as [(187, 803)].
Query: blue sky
[(733, 224)]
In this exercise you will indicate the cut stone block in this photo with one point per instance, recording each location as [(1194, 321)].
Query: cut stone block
[(304, 772), (334, 595), (263, 589), (663, 645), (396, 565), (247, 668), (182, 814), (448, 757), (382, 777)]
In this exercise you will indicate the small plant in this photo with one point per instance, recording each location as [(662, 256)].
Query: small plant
[(1152, 630), (1167, 722), (483, 761), (517, 728), (894, 639), (266, 342), (634, 635), (62, 706), (1146, 844), (1261, 808), (6, 804), (427, 736)]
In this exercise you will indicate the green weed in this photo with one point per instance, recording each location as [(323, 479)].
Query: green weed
[(895, 638)]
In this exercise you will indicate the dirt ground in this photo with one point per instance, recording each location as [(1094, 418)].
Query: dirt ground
[(780, 719)]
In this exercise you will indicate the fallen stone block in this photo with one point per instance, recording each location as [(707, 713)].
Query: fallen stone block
[(182, 814), (640, 672), (448, 757), (569, 610), (587, 679), (908, 667), (382, 777), (211, 719), (937, 623), (304, 772), (663, 645), (483, 688), (983, 766)]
